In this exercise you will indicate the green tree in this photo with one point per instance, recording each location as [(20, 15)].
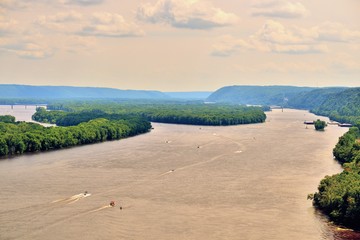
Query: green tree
[(320, 125), (4, 150), (7, 119)]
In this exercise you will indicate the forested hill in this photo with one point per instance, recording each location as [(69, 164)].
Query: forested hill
[(64, 92), (343, 106), (338, 103), (314, 98), (264, 95), (339, 195)]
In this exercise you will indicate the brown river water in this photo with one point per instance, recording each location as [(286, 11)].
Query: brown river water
[(176, 182)]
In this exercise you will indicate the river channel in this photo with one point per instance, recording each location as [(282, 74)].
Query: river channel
[(176, 182)]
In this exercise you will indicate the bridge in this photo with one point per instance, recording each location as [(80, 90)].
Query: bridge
[(30, 104)]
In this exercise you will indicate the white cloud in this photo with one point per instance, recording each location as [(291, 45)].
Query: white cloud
[(69, 31), (227, 45), (299, 48), (30, 47), (7, 25), (17, 39), (13, 4), (82, 2), (32, 50), (106, 24), (277, 38), (65, 17), (280, 9), (277, 33), (77, 44), (193, 14), (274, 37), (101, 24), (62, 22), (337, 32)]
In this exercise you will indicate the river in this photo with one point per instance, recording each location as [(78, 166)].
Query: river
[(176, 182)]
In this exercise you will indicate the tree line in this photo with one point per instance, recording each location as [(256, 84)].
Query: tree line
[(7, 119), (84, 123), (21, 137), (339, 195), (180, 113)]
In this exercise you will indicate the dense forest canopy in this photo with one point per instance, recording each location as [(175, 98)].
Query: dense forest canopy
[(339, 103), (346, 150), (312, 99), (339, 195), (181, 113), (343, 106), (20, 137), (84, 122), (263, 95), (7, 119)]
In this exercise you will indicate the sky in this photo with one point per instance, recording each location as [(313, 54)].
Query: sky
[(180, 45)]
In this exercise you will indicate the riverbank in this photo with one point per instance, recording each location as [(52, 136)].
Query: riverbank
[(22, 113), (230, 186), (25, 137), (338, 195)]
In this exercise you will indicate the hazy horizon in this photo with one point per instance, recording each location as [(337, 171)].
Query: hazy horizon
[(179, 45), (248, 85)]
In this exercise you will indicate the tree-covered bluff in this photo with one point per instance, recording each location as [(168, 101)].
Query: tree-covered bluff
[(343, 106), (256, 95), (312, 99), (338, 196), (338, 103)]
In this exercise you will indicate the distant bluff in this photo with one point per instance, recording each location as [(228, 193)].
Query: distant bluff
[(261, 95), (66, 92)]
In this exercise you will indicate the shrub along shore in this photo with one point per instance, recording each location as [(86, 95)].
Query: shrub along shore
[(338, 195)]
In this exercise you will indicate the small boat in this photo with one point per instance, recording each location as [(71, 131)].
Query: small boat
[(309, 122)]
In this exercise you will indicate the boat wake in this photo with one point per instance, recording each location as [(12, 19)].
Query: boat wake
[(73, 198), (101, 208), (168, 172)]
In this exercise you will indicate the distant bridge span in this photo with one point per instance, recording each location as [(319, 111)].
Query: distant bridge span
[(30, 104)]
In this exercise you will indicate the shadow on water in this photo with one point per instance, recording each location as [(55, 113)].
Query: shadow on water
[(330, 230)]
